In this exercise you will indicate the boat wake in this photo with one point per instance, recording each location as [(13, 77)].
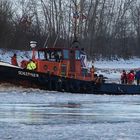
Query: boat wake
[(8, 87)]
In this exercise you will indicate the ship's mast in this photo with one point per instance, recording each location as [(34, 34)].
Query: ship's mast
[(76, 16)]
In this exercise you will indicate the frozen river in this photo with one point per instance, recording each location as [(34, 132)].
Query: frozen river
[(27, 114)]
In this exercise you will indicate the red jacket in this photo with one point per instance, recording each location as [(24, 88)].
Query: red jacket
[(131, 76), (14, 61)]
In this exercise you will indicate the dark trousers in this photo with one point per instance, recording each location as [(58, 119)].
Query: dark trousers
[(138, 81), (124, 81)]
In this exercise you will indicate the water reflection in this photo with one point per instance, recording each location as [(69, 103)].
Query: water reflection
[(41, 115), (37, 113), (69, 112)]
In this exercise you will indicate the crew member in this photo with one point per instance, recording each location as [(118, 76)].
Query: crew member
[(31, 65), (137, 77), (131, 77), (14, 60), (92, 70), (124, 77)]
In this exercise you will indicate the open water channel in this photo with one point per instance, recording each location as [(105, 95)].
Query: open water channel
[(33, 114)]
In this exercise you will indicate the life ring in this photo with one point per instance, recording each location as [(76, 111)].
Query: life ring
[(45, 67), (55, 68)]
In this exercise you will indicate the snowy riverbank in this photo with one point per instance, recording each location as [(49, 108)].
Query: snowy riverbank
[(112, 69)]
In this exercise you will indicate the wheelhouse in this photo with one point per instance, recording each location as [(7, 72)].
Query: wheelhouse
[(66, 62), (58, 53)]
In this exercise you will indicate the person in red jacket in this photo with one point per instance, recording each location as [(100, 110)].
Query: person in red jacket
[(14, 60), (131, 77)]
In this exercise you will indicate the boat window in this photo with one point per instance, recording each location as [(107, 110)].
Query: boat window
[(47, 55), (66, 54), (77, 55), (41, 55), (53, 55)]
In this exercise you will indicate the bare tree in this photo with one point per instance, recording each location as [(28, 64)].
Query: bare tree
[(104, 27), (135, 16), (6, 28)]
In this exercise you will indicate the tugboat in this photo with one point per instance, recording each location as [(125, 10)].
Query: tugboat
[(60, 69)]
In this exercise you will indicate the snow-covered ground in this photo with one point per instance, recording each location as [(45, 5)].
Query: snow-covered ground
[(111, 69), (5, 55)]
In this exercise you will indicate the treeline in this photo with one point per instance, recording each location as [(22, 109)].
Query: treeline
[(105, 28)]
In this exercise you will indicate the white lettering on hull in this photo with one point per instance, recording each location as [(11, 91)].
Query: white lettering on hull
[(28, 74)]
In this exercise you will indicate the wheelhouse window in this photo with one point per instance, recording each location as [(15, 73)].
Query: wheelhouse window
[(77, 55), (41, 55), (44, 55), (55, 55), (66, 54), (51, 55)]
